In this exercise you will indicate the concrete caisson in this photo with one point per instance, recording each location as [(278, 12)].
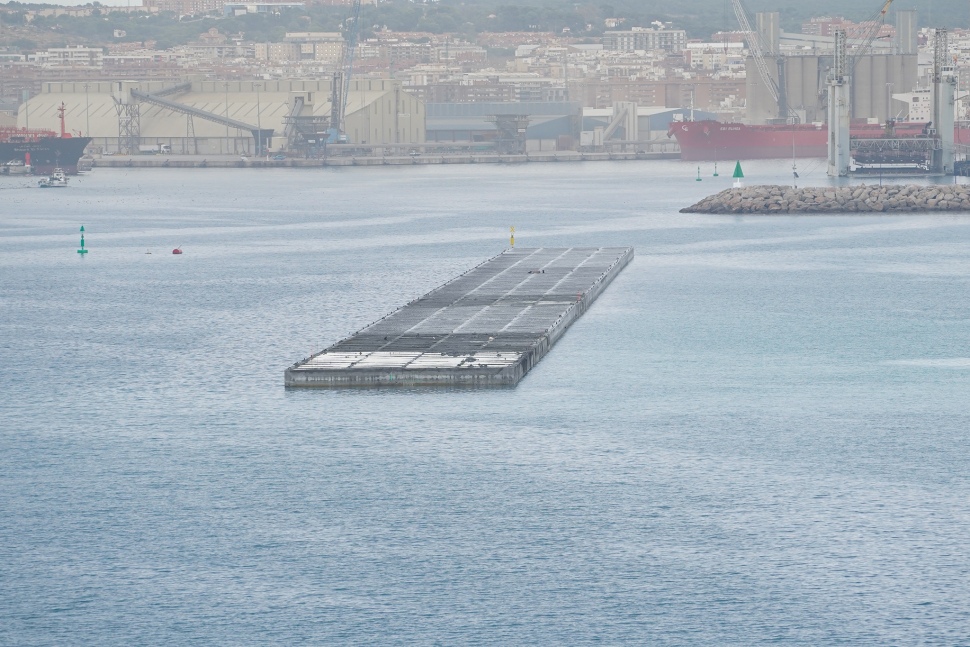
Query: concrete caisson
[(487, 327)]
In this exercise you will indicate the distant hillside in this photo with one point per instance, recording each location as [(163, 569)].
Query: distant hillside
[(466, 18), (703, 17)]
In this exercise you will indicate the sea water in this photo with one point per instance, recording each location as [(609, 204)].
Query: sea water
[(758, 434)]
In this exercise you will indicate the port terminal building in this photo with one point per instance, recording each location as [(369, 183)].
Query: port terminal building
[(558, 125)]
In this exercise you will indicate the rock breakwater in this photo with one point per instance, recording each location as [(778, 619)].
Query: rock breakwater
[(769, 199)]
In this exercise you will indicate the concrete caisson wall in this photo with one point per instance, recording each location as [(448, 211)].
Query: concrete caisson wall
[(487, 327)]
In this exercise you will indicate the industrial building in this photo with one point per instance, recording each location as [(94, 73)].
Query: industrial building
[(548, 125), (799, 64), (554, 125), (219, 117), (875, 77), (649, 126)]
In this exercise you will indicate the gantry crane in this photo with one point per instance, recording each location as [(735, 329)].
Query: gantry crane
[(944, 91), (839, 146)]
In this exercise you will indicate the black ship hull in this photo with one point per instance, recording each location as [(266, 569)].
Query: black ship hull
[(46, 154)]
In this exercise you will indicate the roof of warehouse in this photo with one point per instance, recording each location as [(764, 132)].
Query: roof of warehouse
[(97, 112)]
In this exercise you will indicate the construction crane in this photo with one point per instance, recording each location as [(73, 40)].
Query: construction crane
[(341, 80), (759, 51)]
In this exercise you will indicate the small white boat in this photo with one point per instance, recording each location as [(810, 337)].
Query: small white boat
[(57, 179)]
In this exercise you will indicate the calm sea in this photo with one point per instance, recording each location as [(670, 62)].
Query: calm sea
[(758, 434)]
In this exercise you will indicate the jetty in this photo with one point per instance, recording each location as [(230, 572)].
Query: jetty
[(890, 198), (487, 327)]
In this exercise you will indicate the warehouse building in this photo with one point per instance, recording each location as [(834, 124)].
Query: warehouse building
[(218, 117)]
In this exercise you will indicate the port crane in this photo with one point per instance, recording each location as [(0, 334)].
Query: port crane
[(760, 52), (944, 94), (838, 109), (340, 91), (875, 21)]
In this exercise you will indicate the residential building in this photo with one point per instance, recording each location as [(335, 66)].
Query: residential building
[(642, 38)]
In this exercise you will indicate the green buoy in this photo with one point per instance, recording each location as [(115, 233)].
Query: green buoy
[(698, 174), (82, 250), (738, 174)]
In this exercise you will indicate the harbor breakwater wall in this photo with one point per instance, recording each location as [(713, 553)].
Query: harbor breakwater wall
[(776, 199)]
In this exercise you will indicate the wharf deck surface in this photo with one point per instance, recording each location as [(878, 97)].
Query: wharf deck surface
[(487, 327)]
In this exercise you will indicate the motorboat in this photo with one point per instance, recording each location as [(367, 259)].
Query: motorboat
[(57, 179)]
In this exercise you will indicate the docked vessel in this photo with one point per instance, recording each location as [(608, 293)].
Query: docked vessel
[(55, 180), (15, 167), (711, 140), (42, 150)]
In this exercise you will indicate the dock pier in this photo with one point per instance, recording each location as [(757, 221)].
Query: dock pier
[(487, 327)]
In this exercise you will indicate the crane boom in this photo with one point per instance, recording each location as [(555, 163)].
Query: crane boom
[(876, 21), (757, 50)]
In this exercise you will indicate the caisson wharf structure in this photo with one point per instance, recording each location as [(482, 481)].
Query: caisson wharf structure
[(487, 327)]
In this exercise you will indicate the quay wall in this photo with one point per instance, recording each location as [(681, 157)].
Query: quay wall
[(159, 161), (776, 199)]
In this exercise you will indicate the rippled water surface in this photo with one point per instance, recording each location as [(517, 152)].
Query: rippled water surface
[(758, 434)]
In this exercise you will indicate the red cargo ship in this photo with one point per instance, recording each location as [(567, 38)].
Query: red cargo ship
[(43, 150), (713, 140)]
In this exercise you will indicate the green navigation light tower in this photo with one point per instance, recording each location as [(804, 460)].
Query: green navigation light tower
[(82, 251)]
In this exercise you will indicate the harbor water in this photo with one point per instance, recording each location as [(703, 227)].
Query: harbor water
[(757, 434)]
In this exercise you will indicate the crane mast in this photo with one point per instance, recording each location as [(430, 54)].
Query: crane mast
[(341, 79), (839, 110), (944, 91)]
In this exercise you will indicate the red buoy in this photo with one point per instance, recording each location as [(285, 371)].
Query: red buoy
[(177, 250)]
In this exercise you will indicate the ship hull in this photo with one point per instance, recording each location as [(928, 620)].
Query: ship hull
[(46, 154), (713, 140)]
